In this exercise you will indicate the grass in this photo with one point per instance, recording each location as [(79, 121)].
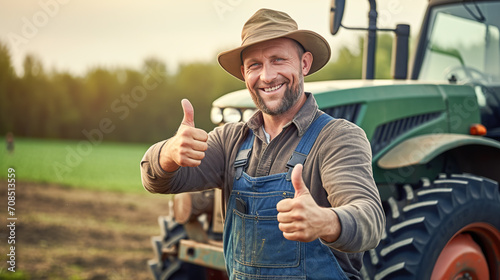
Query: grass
[(99, 166)]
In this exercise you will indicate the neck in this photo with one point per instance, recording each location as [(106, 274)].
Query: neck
[(274, 124)]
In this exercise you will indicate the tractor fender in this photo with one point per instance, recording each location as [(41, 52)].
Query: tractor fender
[(422, 149)]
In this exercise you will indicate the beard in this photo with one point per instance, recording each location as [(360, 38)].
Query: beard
[(290, 98)]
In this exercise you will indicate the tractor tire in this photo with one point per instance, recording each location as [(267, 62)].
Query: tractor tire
[(447, 229)]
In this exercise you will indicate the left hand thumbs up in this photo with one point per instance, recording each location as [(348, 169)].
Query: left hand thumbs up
[(300, 218), (298, 183)]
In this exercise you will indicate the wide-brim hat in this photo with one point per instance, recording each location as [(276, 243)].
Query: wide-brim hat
[(266, 25)]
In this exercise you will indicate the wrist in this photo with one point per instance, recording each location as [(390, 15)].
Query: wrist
[(332, 227), (165, 162)]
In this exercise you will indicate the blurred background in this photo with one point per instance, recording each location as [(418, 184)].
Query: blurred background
[(87, 86), (65, 65)]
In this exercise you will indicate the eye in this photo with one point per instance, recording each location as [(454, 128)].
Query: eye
[(253, 65)]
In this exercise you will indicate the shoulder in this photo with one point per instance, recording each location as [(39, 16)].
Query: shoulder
[(343, 126), (341, 133)]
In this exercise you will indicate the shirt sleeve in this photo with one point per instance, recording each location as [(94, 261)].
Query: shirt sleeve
[(348, 179), (209, 174)]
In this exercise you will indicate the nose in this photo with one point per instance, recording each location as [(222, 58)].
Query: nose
[(268, 73)]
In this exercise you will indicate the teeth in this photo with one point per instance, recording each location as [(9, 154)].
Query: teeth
[(272, 88)]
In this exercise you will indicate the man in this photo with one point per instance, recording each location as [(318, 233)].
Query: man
[(299, 196)]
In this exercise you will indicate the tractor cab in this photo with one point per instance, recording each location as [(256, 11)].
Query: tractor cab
[(460, 44)]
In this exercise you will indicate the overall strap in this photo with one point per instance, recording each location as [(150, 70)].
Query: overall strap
[(306, 143), (243, 154)]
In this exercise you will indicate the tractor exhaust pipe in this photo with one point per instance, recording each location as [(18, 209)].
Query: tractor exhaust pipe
[(400, 45), (399, 59)]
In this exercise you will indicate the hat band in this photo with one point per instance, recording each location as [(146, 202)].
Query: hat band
[(264, 35)]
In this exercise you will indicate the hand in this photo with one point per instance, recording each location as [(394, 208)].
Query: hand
[(188, 146), (301, 219)]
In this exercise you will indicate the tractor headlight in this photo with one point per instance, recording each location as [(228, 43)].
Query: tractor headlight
[(216, 115), (231, 115)]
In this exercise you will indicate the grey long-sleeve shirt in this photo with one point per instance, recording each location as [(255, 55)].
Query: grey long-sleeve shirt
[(337, 171)]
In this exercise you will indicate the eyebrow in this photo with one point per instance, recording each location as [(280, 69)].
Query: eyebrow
[(254, 60)]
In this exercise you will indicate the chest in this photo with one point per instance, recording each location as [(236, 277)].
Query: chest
[(271, 158)]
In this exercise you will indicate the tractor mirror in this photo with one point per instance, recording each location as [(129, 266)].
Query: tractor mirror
[(336, 13)]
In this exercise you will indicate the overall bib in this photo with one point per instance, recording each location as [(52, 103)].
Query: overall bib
[(254, 246)]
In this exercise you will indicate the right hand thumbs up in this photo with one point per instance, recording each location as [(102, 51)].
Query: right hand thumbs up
[(188, 146), (188, 110)]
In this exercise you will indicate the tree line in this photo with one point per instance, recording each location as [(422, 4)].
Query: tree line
[(130, 105)]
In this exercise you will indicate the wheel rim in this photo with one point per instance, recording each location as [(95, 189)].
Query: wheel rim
[(472, 253)]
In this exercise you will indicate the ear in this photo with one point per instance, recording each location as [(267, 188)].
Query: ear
[(242, 68), (307, 59)]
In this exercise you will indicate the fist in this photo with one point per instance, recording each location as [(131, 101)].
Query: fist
[(188, 146), (301, 219)]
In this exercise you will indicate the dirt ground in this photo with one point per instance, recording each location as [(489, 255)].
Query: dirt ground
[(67, 233)]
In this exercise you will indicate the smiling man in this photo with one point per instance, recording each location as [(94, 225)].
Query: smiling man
[(299, 197)]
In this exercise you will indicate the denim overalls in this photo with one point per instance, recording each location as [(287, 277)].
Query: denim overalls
[(254, 246)]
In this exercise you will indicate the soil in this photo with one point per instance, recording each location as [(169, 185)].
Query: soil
[(69, 233)]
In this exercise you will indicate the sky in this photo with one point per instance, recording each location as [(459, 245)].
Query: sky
[(77, 35)]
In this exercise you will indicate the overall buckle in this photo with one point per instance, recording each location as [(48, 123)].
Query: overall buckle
[(295, 159), (241, 162)]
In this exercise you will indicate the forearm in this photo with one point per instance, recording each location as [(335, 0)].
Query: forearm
[(353, 195), (361, 229), (354, 198), (332, 228), (154, 178), (352, 240), (184, 179)]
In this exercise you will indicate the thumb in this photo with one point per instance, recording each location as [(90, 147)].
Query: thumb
[(297, 181), (188, 110)]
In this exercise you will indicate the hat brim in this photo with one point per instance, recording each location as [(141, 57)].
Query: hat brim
[(311, 41)]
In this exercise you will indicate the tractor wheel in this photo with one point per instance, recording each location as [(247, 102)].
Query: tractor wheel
[(448, 229)]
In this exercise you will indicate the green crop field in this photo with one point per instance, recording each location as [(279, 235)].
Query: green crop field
[(97, 166)]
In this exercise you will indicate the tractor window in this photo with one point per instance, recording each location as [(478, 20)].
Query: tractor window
[(463, 44)]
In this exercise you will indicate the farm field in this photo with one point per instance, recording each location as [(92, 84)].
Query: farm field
[(81, 164), (95, 223)]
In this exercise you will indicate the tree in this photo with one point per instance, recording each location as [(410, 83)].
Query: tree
[(7, 84), (143, 105)]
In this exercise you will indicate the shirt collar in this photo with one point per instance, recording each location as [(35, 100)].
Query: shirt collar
[(302, 119)]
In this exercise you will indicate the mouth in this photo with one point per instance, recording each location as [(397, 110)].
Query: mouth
[(272, 89)]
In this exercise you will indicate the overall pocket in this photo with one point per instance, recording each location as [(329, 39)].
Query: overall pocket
[(258, 242)]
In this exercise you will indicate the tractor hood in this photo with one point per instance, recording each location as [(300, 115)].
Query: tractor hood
[(241, 98)]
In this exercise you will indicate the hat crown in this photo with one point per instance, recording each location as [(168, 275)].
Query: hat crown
[(266, 24)]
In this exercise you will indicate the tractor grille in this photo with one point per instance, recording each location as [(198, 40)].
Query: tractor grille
[(386, 133), (349, 112)]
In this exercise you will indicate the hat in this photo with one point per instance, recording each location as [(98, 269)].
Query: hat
[(266, 25)]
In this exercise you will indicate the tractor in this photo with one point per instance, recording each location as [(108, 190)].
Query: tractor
[(434, 131)]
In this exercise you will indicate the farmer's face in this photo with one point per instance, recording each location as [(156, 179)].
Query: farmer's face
[(274, 74)]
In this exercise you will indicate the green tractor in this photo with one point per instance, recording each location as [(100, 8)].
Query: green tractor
[(435, 139)]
